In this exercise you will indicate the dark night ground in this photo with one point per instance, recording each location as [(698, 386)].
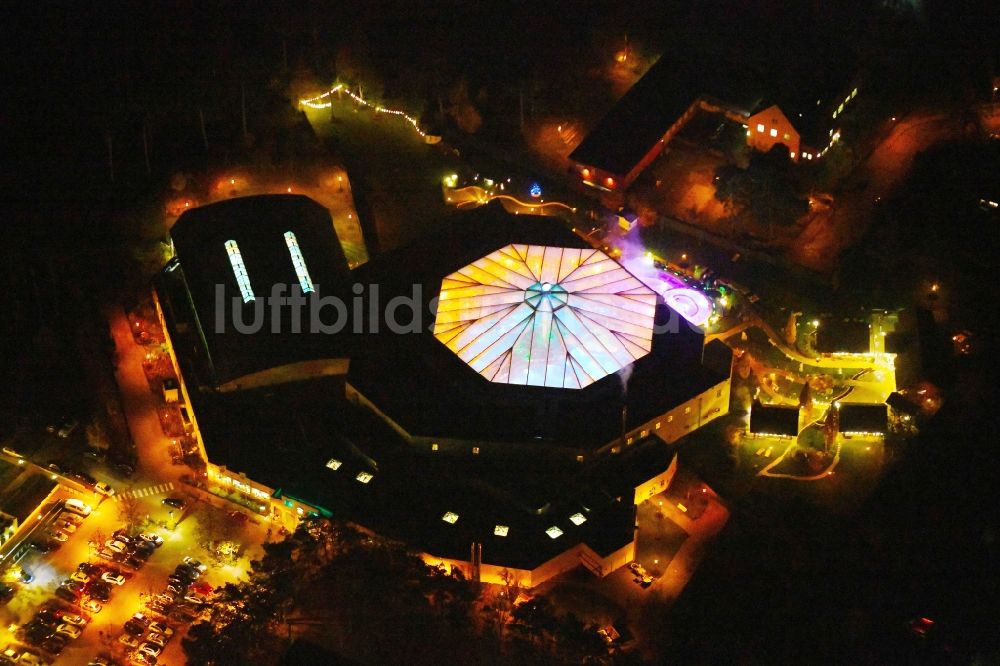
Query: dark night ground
[(784, 583)]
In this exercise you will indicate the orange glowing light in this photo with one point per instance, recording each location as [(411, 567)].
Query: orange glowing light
[(610, 181), (585, 173), (289, 190)]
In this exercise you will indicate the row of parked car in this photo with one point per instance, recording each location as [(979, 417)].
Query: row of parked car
[(52, 628), (181, 600)]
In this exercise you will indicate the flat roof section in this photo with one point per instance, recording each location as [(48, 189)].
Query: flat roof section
[(774, 420)]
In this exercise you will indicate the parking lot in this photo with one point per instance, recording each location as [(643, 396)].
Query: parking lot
[(100, 577)]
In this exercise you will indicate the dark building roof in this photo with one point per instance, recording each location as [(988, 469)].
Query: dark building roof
[(774, 420), (843, 336), (902, 404), (258, 225), (643, 115), (864, 418)]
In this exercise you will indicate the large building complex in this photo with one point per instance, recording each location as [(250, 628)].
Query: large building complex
[(499, 396)]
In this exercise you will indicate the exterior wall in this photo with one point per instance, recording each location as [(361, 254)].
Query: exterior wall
[(769, 128), (657, 484), (561, 563), (682, 419)]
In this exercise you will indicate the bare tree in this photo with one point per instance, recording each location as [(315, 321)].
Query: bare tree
[(130, 512)]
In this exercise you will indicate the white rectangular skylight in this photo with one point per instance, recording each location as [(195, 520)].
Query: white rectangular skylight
[(299, 262), (239, 270), (333, 464)]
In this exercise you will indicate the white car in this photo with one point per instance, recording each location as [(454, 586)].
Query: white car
[(115, 546), (68, 630), (154, 539), (115, 579), (159, 640), (70, 618), (104, 489), (161, 628), (91, 606), (150, 649)]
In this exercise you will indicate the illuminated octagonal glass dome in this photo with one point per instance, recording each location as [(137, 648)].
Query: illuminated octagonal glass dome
[(545, 316)]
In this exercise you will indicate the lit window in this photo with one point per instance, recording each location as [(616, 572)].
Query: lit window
[(792, 155), (786, 137), (643, 433), (501, 530), (239, 270), (840, 109), (774, 132), (450, 517), (760, 127), (299, 262), (610, 181), (628, 441), (299, 510), (687, 410), (834, 115), (554, 532), (657, 426), (333, 464), (364, 477), (586, 173), (475, 450), (854, 93), (579, 458), (434, 446), (578, 518), (670, 418)]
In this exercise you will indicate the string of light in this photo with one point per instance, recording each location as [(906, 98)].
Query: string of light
[(317, 103)]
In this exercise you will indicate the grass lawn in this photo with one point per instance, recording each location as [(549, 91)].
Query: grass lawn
[(388, 161)]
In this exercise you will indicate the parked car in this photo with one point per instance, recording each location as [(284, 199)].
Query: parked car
[(152, 538), (134, 563), (72, 618), (175, 502), (150, 649), (55, 644), (68, 630), (60, 536), (6, 593), (91, 606), (129, 640), (80, 577), (66, 526), (72, 586), (88, 568), (66, 594), (159, 640), (194, 563), (115, 578), (115, 546), (102, 488), (161, 628), (143, 659)]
